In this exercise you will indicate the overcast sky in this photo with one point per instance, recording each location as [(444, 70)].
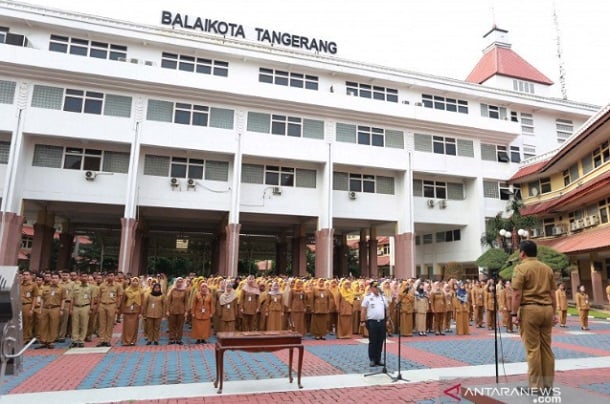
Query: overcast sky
[(441, 37)]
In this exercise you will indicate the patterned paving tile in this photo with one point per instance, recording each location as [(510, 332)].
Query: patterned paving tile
[(603, 388), (31, 365)]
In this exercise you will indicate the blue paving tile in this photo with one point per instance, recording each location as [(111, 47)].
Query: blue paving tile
[(597, 341), (481, 352), (354, 358), (603, 388), (31, 365)]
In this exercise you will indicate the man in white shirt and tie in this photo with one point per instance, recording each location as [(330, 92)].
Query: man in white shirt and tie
[(373, 315)]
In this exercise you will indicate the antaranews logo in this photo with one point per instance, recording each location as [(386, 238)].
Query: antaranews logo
[(539, 396)]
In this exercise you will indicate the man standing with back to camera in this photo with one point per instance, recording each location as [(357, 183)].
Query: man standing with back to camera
[(534, 309), (373, 310)]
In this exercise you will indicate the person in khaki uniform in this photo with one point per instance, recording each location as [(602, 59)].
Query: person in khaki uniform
[(110, 296), (508, 306), (437, 304), (177, 307), (345, 310), (93, 327), (67, 284), (582, 304), (29, 292), (491, 308), (421, 308), (82, 305), (202, 311), (249, 306), (478, 304), (152, 311), (407, 308), (449, 309), (53, 299), (131, 308), (462, 309), (562, 304), (322, 303), (534, 308), (608, 291), (273, 309)]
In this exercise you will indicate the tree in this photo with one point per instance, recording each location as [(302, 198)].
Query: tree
[(453, 270), (510, 223), (493, 260), (556, 260)]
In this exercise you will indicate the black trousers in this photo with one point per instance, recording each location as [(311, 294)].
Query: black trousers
[(377, 332)]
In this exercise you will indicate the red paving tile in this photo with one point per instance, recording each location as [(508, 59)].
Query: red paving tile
[(425, 358), (64, 373)]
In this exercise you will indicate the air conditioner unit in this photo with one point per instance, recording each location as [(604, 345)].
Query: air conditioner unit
[(418, 104), (406, 102), (430, 203), (558, 230), (442, 204), (594, 220), (581, 223), (535, 233), (174, 182), (276, 191), (90, 175), (575, 226), (134, 61), (351, 194), (149, 63), (191, 183)]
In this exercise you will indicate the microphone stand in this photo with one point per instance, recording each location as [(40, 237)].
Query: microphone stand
[(398, 375)]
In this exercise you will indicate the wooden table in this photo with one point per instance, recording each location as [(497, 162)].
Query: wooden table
[(257, 341)]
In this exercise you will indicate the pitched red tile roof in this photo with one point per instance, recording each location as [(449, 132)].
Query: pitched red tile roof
[(504, 61), (527, 170), (581, 242)]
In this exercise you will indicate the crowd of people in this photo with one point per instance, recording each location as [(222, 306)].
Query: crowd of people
[(64, 305)]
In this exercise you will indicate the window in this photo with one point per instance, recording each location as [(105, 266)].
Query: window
[(492, 152), (505, 191), (448, 236), (186, 168), (194, 64), (370, 136), (604, 210), (362, 183), (89, 102), (565, 128), (527, 124), (529, 151), (444, 104), (374, 92), (515, 154), (570, 175), (5, 148), (543, 186), (523, 86), (427, 239), (444, 145), (490, 190), (7, 91), (27, 242), (189, 114), (275, 175), (493, 111), (291, 79), (435, 189), (286, 125), (601, 154), (84, 47), (82, 159)]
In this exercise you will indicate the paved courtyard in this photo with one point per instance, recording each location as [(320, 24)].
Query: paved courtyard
[(334, 371)]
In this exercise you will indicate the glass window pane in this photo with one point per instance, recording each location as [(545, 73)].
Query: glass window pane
[(378, 140), (182, 117), (272, 178), (294, 130), (169, 64), (92, 163), (98, 53), (364, 138), (278, 128), (368, 186), (450, 149), (73, 104), (195, 172), (72, 162), (287, 180), (200, 119), (203, 69), (93, 107), (178, 170), (78, 50), (355, 185)]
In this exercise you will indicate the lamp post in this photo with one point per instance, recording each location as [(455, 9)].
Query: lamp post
[(505, 236)]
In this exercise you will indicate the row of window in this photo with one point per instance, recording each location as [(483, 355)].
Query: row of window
[(501, 190), (187, 63), (438, 189), (189, 114), (182, 167), (368, 91), (291, 79), (367, 183), (7, 91), (81, 101), (371, 136), (444, 104), (85, 47), (74, 158), (439, 237), (278, 176), (284, 125), (443, 145)]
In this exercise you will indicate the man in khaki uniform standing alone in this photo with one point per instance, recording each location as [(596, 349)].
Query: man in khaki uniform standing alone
[(109, 295), (534, 308), (29, 292), (82, 305)]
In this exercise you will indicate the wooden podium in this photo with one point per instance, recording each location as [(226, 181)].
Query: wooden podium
[(257, 341)]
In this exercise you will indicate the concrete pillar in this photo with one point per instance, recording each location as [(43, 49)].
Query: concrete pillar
[(575, 282), (374, 270), (138, 263), (232, 249), (403, 256), (66, 247), (299, 256), (363, 255), (281, 255), (324, 252), (10, 243), (597, 286), (343, 252), (221, 267), (42, 244), (215, 258), (128, 244)]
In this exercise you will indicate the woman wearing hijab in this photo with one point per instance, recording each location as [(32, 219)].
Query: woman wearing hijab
[(202, 311), (582, 304), (152, 312), (462, 310), (131, 307), (358, 294), (345, 310), (274, 308), (407, 307), (177, 300), (249, 303), (297, 307), (421, 308), (227, 302), (219, 289), (321, 307)]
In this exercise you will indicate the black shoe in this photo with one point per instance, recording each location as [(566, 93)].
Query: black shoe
[(379, 363), (101, 344), (372, 363), (148, 342), (81, 344), (156, 342), (179, 342), (50, 346), (107, 344), (171, 343), (42, 346), (61, 340), (74, 345)]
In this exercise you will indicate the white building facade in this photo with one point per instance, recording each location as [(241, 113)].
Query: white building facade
[(139, 130)]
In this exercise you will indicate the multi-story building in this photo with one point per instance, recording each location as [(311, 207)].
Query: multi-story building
[(567, 190), (213, 133)]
